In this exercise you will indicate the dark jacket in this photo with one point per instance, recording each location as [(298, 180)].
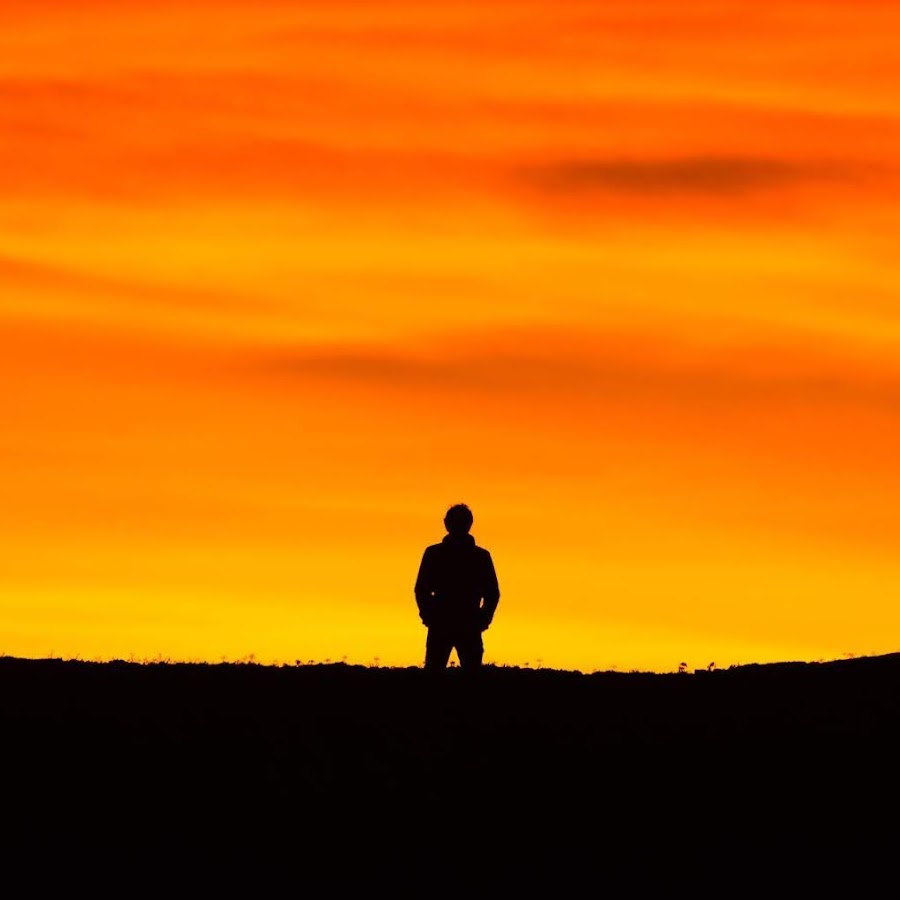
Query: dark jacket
[(457, 585)]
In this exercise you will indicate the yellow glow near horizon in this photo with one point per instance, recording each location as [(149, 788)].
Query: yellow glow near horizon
[(281, 282)]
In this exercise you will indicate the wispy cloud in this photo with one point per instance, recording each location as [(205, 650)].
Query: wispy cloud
[(700, 174), (577, 367), (108, 299)]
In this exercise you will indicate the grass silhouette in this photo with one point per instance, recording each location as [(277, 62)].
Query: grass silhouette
[(515, 779)]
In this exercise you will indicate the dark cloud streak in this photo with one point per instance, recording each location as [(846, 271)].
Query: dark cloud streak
[(702, 174), (734, 375)]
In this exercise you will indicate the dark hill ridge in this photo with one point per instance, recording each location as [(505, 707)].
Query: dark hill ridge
[(841, 696), (530, 777)]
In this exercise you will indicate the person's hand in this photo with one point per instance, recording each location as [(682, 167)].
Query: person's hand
[(485, 622)]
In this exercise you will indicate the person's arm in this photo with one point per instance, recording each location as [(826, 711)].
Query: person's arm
[(423, 589), (490, 594)]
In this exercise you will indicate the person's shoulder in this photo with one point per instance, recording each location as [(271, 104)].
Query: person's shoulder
[(485, 553)]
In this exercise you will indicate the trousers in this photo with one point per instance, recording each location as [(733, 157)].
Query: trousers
[(443, 639)]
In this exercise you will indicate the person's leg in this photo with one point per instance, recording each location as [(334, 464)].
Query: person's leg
[(470, 649), (438, 645)]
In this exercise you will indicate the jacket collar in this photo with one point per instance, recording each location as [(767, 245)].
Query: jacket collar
[(461, 540)]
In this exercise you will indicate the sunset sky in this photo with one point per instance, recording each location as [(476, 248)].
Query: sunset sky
[(282, 281)]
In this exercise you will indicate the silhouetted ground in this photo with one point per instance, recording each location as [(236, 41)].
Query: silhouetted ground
[(771, 779)]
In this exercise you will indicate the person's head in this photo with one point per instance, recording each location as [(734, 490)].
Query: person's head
[(458, 519)]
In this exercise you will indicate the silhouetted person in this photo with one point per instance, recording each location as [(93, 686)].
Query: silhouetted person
[(457, 593)]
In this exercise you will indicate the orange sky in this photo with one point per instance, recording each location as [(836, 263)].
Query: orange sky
[(280, 282)]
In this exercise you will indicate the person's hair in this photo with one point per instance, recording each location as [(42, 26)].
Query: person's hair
[(458, 519)]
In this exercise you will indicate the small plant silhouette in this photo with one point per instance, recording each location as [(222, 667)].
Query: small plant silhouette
[(682, 668)]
